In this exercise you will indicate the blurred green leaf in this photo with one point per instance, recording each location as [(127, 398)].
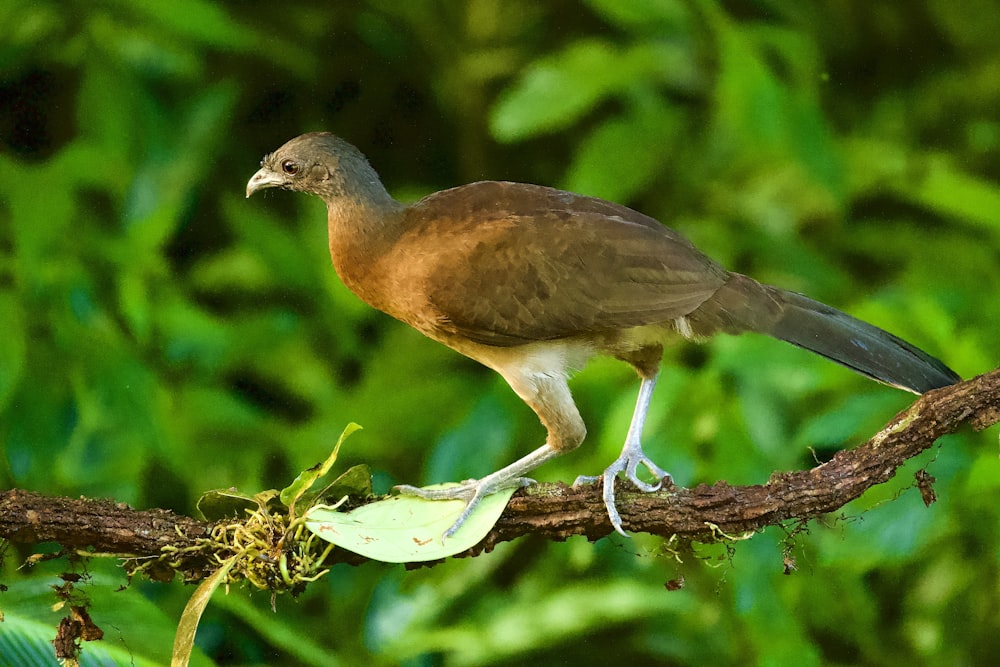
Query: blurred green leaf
[(145, 51), (239, 268), (108, 112), (136, 304), (984, 475), (930, 180), (536, 620), (136, 630), (848, 423), (620, 157), (278, 251), (645, 16), (485, 427), (894, 533), (199, 20), (946, 190), (554, 92), (190, 335), (758, 117), (165, 336), (13, 351), (295, 639), (28, 24), (560, 89)]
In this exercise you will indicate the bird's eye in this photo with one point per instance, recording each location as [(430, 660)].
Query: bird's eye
[(289, 167)]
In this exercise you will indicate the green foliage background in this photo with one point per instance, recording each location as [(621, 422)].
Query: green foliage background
[(161, 336)]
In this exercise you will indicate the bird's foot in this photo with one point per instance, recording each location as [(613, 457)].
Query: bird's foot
[(471, 491), (628, 462)]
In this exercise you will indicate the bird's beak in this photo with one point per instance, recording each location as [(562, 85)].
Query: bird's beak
[(264, 178)]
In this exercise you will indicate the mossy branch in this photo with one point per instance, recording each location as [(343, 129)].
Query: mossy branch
[(555, 511)]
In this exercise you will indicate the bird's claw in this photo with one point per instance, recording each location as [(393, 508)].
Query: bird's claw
[(471, 492), (632, 473), (631, 458)]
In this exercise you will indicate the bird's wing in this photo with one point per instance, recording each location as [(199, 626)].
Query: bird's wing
[(508, 263)]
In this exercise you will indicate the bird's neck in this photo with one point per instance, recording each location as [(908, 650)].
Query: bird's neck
[(361, 231)]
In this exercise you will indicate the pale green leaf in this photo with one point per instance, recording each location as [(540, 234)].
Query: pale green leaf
[(407, 529), (357, 481), (188, 626), (308, 477), (221, 503)]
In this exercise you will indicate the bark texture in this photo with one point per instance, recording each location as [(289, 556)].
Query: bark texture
[(555, 511)]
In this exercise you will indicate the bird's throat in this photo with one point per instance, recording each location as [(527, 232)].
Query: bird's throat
[(360, 236)]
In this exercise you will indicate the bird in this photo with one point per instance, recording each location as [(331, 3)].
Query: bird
[(533, 281)]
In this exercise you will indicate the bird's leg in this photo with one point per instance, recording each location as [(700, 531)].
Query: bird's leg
[(547, 393), (473, 490), (630, 459)]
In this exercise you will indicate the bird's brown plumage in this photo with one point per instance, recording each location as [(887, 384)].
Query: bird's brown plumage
[(471, 254), (532, 281)]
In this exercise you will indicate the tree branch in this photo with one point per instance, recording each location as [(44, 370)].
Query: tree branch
[(556, 511)]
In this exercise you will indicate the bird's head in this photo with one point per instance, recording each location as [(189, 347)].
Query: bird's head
[(318, 163)]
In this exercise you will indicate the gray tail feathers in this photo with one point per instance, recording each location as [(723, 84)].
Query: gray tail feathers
[(743, 304)]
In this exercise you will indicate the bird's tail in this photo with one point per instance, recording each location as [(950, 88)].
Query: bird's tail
[(744, 304)]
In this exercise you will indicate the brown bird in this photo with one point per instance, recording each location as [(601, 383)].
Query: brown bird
[(533, 282)]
